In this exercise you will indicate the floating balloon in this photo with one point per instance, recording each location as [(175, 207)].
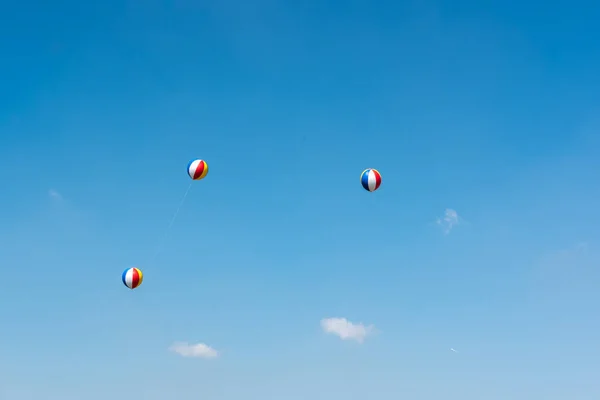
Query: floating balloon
[(197, 169), (370, 179), (132, 278)]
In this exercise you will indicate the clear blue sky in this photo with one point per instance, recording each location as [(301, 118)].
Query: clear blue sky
[(488, 108)]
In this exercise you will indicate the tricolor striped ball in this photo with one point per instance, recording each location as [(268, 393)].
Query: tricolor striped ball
[(132, 277), (197, 169), (370, 179)]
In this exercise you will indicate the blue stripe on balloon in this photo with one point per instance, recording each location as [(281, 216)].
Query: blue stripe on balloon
[(365, 179), (188, 166), (124, 277)]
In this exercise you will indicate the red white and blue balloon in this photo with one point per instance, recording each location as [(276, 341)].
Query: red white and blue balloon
[(197, 169), (132, 277), (370, 179)]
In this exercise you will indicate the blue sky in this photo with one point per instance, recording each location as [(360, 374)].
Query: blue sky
[(485, 108)]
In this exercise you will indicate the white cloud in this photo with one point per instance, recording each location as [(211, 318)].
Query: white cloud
[(345, 329), (199, 350), (54, 194), (448, 221)]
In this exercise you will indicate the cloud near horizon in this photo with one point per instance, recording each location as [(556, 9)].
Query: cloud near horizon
[(198, 350), (448, 221), (346, 330)]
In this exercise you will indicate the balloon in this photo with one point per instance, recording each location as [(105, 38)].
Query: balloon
[(132, 278), (370, 179), (197, 169)]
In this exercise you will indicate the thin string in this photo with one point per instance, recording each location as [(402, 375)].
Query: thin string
[(164, 236)]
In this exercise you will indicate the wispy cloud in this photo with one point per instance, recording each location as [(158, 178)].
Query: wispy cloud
[(345, 329), (452, 350), (198, 350), (54, 194), (448, 221)]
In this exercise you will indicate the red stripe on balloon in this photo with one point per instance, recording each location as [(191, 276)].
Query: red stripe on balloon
[(135, 278), (377, 179), (199, 170)]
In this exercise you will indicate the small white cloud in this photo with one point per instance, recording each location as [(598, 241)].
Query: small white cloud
[(54, 194), (448, 221), (452, 350), (199, 350), (345, 329)]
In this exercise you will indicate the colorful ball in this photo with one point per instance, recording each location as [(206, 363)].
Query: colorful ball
[(197, 169), (132, 278), (370, 179)]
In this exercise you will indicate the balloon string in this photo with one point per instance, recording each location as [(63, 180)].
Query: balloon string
[(164, 236)]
